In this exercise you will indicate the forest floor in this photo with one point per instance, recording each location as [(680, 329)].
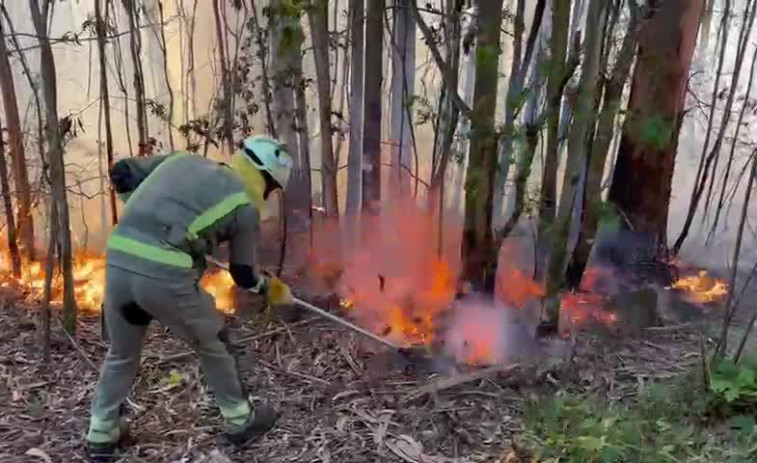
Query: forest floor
[(338, 401)]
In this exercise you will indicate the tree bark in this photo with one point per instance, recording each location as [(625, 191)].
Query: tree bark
[(101, 27), (47, 66), (403, 90), (16, 149), (226, 111), (613, 93), (479, 259), (357, 90), (10, 221), (643, 174), (374, 33), (319, 26), (583, 120), (514, 91), (135, 46), (167, 77), (555, 85)]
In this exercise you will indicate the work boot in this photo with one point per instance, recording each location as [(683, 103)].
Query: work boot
[(108, 451), (260, 421)]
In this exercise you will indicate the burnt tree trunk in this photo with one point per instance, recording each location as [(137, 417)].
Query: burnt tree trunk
[(643, 174), (374, 55), (10, 221), (16, 150), (479, 258)]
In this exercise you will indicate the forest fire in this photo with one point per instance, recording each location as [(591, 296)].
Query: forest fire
[(89, 281), (702, 288)]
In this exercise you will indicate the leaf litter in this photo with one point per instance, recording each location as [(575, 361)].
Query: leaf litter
[(336, 404)]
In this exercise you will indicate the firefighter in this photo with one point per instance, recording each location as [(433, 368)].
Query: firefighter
[(180, 207)]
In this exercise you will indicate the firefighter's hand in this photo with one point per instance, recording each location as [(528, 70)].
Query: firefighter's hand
[(278, 293)]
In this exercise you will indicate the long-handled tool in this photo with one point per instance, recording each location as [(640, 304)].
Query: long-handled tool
[(330, 316)]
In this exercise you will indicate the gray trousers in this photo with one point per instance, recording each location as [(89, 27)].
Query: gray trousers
[(131, 301)]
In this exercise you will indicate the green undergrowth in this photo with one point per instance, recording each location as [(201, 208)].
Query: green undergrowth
[(684, 421)]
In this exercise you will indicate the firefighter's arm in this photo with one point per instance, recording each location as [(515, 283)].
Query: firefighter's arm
[(243, 262)]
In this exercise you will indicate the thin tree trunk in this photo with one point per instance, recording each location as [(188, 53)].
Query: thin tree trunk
[(403, 89), (643, 173), (263, 57), (479, 259), (226, 109), (119, 63), (105, 96), (47, 66), (613, 93), (354, 180), (374, 33), (135, 41), (16, 149), (730, 309), (704, 168), (169, 88), (734, 141), (10, 221), (47, 290), (555, 86), (583, 120), (745, 33), (319, 27), (514, 90)]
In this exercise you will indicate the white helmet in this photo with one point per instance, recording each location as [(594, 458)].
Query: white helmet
[(269, 155)]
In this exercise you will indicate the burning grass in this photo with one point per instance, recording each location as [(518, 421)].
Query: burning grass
[(89, 280)]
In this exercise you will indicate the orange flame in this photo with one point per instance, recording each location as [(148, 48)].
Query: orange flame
[(89, 282), (702, 288)]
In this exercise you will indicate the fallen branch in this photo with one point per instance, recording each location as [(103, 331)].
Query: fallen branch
[(448, 383)]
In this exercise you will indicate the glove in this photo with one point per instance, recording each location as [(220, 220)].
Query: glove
[(278, 293)]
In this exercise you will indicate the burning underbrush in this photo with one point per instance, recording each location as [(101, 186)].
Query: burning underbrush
[(401, 283), (89, 281)]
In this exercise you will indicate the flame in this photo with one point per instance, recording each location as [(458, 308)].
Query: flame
[(89, 282), (702, 288)]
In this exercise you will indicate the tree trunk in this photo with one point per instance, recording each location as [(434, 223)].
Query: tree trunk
[(479, 261), (47, 289), (403, 90), (58, 176), (714, 155), (319, 27), (167, 77), (135, 46), (16, 149), (374, 33), (355, 156), (644, 170), (514, 90), (613, 93), (227, 112), (101, 27), (449, 113), (583, 120), (10, 221), (555, 86)]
